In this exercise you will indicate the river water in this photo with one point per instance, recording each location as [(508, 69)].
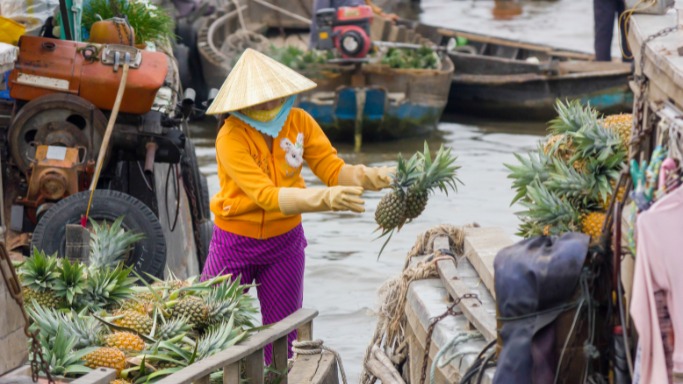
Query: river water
[(342, 271)]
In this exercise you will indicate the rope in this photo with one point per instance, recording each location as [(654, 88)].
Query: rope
[(316, 347), (107, 136), (450, 346), (390, 329)]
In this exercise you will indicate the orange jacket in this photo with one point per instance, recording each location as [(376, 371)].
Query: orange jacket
[(250, 175)]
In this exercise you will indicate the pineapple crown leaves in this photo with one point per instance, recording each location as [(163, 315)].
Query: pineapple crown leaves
[(571, 116), (535, 167), (39, 272), (439, 172), (567, 182), (46, 321), (407, 172), (595, 141), (86, 330), (107, 287), (170, 329), (219, 337), (71, 282), (62, 356), (109, 243), (546, 208), (229, 299)]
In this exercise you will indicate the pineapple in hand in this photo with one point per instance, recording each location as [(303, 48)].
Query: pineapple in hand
[(438, 173), (414, 180), (391, 209)]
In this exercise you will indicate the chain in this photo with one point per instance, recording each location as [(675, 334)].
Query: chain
[(642, 81), (14, 288), (449, 312)]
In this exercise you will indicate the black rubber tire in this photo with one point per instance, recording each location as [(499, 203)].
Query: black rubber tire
[(205, 234), (206, 198), (148, 255)]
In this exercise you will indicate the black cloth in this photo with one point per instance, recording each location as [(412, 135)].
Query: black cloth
[(534, 278), (604, 14)]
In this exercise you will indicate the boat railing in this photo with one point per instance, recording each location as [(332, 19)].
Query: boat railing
[(250, 354)]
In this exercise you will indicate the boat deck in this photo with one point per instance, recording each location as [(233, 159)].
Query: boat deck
[(470, 274)]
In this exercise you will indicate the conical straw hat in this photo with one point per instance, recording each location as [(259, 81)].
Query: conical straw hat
[(255, 79)]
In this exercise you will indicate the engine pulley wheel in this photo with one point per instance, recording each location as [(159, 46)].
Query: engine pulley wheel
[(352, 43), (53, 185), (56, 119)]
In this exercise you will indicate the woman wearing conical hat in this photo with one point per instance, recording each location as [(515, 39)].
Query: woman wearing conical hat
[(260, 150)]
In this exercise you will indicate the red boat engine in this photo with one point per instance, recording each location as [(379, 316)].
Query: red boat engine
[(347, 29)]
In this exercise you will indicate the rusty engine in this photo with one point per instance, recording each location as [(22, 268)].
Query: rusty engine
[(63, 93)]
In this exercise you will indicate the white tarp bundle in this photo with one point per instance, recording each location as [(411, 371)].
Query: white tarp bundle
[(8, 55), (30, 13)]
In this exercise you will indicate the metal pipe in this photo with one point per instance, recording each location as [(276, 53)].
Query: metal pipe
[(150, 154)]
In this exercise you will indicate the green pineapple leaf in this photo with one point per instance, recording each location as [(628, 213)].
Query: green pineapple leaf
[(530, 169), (71, 282), (109, 243), (571, 117)]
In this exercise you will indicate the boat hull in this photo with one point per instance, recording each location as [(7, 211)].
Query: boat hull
[(381, 118), (379, 102), (532, 97)]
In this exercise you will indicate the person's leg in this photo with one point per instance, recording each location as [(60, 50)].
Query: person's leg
[(626, 55), (603, 15), (225, 257), (281, 282)]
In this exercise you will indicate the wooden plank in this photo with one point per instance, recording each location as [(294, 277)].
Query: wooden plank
[(401, 35), (97, 376), (238, 352), (204, 380), (387, 25), (471, 308), (481, 247), (319, 369), (305, 332), (446, 374), (393, 33), (231, 373), (376, 29), (280, 351), (514, 43), (12, 339), (410, 35), (663, 64), (77, 242), (253, 367)]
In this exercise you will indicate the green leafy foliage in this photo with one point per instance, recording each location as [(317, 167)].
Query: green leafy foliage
[(408, 58)]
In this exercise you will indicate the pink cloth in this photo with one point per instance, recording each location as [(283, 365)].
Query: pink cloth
[(659, 267)]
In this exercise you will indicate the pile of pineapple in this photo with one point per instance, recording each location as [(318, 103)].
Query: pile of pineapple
[(414, 180), (568, 183), (98, 315)]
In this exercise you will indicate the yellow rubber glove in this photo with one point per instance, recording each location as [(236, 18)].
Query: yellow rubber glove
[(339, 198), (370, 178)]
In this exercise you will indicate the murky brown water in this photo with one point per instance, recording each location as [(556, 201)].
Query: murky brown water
[(342, 271)]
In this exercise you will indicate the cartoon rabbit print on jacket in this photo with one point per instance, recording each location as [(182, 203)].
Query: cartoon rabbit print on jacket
[(294, 152)]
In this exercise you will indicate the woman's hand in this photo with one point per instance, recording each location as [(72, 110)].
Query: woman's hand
[(338, 198), (370, 178)]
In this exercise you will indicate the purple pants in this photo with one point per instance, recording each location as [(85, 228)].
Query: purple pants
[(276, 264)]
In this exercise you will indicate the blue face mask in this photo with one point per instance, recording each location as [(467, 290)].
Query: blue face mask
[(273, 127)]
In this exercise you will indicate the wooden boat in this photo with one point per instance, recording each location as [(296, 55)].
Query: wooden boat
[(504, 78), (367, 100)]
